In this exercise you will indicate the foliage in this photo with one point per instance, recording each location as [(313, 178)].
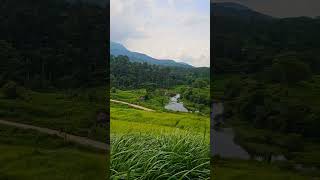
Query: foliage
[(35, 155), (135, 156), (133, 75), (226, 169), (73, 111), (55, 52), (10, 90), (266, 71), (185, 121), (149, 145), (290, 71)]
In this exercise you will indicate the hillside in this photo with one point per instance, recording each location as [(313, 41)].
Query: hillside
[(117, 49), (267, 71)]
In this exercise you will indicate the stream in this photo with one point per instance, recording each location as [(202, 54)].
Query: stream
[(222, 140), (174, 105)]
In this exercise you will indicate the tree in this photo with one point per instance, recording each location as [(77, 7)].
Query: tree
[(290, 71)]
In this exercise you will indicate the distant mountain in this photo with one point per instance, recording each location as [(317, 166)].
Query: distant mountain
[(230, 9), (117, 49)]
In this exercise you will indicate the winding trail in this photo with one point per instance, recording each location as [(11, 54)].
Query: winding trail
[(69, 137), (132, 105)]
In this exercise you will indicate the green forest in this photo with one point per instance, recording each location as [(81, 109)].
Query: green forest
[(191, 83), (52, 75), (53, 44), (266, 72)]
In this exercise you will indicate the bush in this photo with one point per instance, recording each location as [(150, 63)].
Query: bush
[(113, 90), (10, 90), (290, 71)]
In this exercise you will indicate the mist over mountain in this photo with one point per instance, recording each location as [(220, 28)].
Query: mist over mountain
[(117, 49)]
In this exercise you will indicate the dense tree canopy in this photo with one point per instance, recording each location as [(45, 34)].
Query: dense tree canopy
[(133, 75), (52, 43), (274, 63)]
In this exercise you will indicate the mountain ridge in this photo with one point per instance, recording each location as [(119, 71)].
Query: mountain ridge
[(239, 11), (117, 49)]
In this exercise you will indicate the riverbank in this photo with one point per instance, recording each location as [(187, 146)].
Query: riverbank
[(175, 105), (245, 142)]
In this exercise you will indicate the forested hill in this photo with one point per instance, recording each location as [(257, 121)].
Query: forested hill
[(125, 74), (53, 43), (117, 49), (270, 71), (250, 42)]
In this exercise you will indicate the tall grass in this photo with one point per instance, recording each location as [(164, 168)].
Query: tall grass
[(150, 156)]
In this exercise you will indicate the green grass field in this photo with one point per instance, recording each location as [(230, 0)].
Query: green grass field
[(156, 102), (27, 154), (158, 145)]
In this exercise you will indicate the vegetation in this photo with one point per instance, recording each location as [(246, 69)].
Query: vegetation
[(28, 154), (158, 144), (54, 53), (133, 75), (52, 70), (162, 82), (226, 169), (270, 68), (159, 157), (73, 111), (161, 144)]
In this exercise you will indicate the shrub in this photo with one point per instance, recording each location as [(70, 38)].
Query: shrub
[(10, 90), (113, 90)]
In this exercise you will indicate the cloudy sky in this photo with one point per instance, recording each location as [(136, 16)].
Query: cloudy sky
[(282, 8), (164, 29)]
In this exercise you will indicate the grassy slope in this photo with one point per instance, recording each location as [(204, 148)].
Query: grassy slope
[(133, 96), (158, 144), (131, 127), (31, 155), (72, 111), (186, 121)]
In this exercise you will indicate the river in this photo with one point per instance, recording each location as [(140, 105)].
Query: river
[(222, 142), (175, 105)]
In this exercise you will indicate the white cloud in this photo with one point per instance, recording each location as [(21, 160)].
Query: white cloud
[(164, 29)]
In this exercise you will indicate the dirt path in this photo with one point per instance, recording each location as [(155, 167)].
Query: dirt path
[(68, 137), (133, 105)]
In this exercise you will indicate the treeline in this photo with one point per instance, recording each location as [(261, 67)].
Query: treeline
[(52, 44), (133, 75), (243, 46), (274, 62), (275, 107)]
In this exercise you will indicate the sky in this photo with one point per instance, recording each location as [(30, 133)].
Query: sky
[(164, 29), (282, 8)]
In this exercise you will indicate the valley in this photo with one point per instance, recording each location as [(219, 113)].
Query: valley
[(160, 126)]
